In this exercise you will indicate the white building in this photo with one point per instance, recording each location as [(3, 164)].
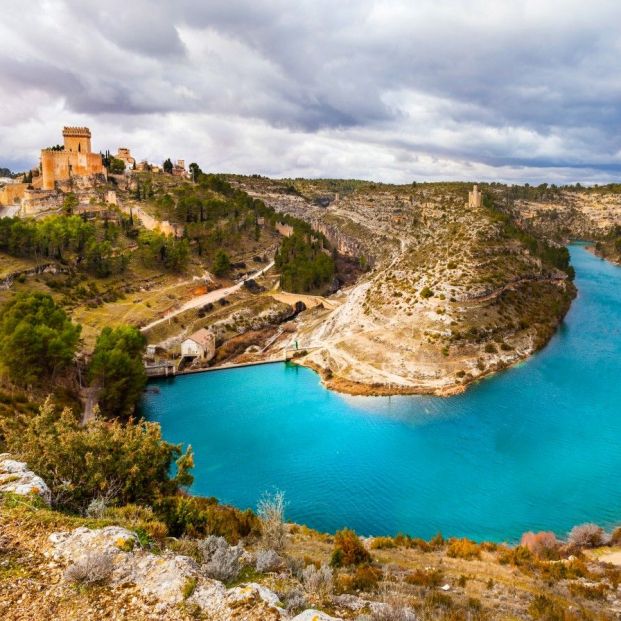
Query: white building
[(201, 344)]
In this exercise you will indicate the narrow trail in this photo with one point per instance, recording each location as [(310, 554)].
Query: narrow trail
[(211, 297)]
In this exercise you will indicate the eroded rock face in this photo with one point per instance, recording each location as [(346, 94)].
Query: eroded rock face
[(166, 577), (17, 479)]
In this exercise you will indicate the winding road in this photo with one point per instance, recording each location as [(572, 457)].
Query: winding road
[(201, 300)]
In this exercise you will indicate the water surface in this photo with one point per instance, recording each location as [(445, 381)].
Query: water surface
[(535, 447)]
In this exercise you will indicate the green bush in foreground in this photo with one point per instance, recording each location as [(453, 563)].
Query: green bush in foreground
[(126, 463)]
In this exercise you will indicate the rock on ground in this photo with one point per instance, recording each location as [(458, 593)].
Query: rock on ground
[(17, 479), (166, 577)]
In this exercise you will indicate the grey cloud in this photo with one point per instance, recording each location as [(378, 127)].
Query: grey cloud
[(519, 85)]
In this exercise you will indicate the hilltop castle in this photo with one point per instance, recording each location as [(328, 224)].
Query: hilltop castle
[(60, 166), (74, 160)]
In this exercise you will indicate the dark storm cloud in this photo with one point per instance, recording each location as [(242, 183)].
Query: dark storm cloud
[(469, 87)]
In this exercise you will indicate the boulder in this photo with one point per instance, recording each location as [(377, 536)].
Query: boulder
[(165, 577), (17, 479)]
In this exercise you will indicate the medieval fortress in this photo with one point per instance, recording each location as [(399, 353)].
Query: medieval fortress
[(70, 167)]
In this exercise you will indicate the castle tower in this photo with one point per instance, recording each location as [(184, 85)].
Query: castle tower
[(474, 198), (77, 139)]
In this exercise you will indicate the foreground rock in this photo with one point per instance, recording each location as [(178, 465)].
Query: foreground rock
[(170, 579), (17, 479)]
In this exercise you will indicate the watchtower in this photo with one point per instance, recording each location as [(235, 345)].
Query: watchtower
[(77, 139), (474, 198)]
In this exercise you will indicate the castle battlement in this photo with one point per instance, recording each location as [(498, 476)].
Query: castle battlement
[(77, 131)]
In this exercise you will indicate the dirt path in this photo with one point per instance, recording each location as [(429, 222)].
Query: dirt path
[(211, 297)]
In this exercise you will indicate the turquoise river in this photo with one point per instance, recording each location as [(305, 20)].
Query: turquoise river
[(535, 447)]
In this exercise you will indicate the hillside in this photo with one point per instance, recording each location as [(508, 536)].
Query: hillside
[(454, 293), (121, 563)]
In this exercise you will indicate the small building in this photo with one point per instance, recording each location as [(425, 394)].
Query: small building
[(201, 344), (125, 155)]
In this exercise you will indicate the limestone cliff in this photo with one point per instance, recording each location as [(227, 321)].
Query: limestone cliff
[(454, 295)]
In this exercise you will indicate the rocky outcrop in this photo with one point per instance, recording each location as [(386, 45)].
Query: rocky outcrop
[(17, 479), (169, 578)]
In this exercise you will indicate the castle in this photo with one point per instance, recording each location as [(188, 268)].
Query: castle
[(75, 160), (59, 167)]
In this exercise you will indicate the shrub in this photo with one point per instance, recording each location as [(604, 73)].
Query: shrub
[(271, 511), (426, 292), (348, 550), (92, 568), (189, 586), (518, 556), (615, 538), (382, 543), (318, 582), (295, 601), (140, 519), (268, 561), (366, 578), (595, 591), (463, 548), (543, 544), (197, 517), (586, 536), (80, 463), (425, 578), (546, 609), (221, 559)]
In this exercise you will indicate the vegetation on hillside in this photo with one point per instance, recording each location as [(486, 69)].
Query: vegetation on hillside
[(117, 371), (37, 339), (303, 264)]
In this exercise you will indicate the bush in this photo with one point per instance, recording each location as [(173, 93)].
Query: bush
[(463, 548), (382, 543), (425, 578), (518, 556), (366, 578), (221, 559), (194, 516), (546, 609), (586, 536), (426, 292), (295, 601), (140, 519), (129, 461), (543, 544), (318, 582), (348, 550), (268, 561), (271, 511), (92, 568)]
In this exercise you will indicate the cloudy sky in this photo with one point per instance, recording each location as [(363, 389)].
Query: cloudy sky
[(511, 90)]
